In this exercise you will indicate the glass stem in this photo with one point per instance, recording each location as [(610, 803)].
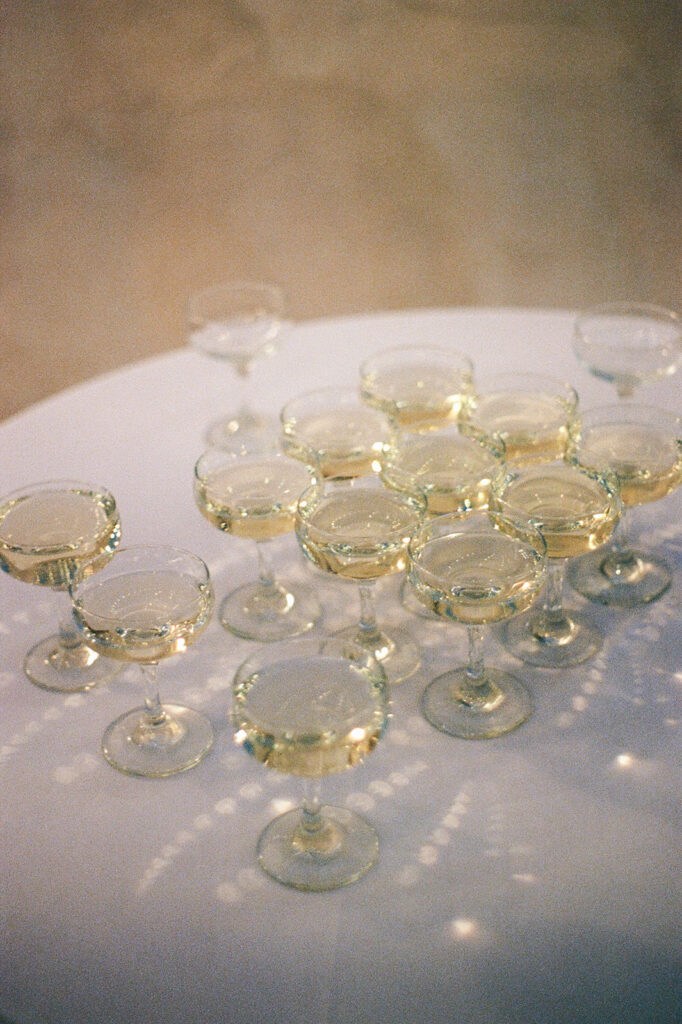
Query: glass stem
[(621, 563), (620, 541), (69, 637), (552, 625), (553, 601), (311, 819), (476, 690), (156, 714), (266, 572), (475, 666), (369, 632), (245, 378)]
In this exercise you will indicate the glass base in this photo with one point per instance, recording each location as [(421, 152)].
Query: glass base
[(136, 746), (340, 851), (452, 705), (256, 613), (398, 658), (623, 579), (534, 640), (67, 669), (245, 425)]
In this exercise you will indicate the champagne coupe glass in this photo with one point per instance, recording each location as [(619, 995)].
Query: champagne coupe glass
[(237, 322), (642, 446), (453, 472), (148, 603), (576, 510), (48, 530), (344, 436), (312, 707), (359, 530), (530, 412), (476, 568), (628, 343), (417, 387), (251, 491)]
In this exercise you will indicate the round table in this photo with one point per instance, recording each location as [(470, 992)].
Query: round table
[(530, 878)]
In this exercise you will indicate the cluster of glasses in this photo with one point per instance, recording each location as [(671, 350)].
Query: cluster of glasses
[(480, 491)]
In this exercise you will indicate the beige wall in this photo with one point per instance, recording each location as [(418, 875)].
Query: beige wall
[(366, 154)]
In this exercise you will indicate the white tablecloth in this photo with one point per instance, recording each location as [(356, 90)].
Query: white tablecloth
[(531, 879)]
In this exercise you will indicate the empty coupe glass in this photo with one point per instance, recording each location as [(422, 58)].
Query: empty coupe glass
[(628, 343), (237, 322)]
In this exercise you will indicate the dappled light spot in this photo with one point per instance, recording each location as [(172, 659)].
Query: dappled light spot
[(408, 876), (428, 855), (359, 801), (226, 806), (227, 892), (281, 806), (75, 700), (251, 791), (380, 787), (463, 928), (250, 879)]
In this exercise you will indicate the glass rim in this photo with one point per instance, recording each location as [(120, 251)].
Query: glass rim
[(412, 498), (347, 391), (606, 478), (82, 578), (415, 350), (439, 530), (404, 437), (53, 486), (564, 389), (643, 310), (224, 456), (305, 646), (214, 291), (636, 412)]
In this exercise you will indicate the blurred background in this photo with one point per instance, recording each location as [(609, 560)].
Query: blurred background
[(366, 154)]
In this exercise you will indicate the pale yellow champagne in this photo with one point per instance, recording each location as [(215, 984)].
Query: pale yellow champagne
[(46, 537), (310, 716), (453, 472), (534, 426), (144, 616), (575, 512), (256, 500), (417, 397), (358, 534), (342, 442), (646, 459), (476, 579)]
